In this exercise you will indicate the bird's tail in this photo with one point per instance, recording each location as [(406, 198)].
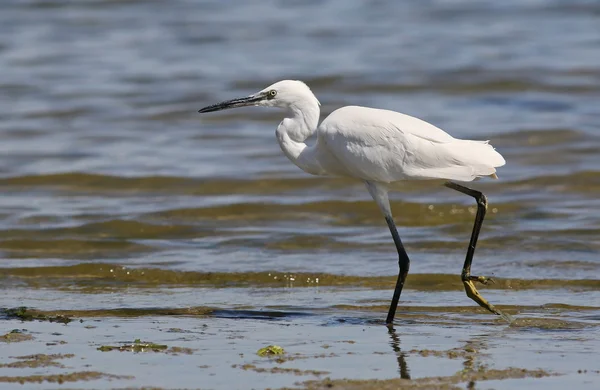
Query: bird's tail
[(471, 159), (481, 156)]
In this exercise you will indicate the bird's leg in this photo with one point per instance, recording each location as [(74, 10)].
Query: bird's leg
[(466, 276), (380, 194), (403, 265)]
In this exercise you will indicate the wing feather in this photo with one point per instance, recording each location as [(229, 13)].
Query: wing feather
[(365, 117), (387, 146)]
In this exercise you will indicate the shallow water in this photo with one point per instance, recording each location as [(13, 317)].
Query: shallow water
[(121, 207)]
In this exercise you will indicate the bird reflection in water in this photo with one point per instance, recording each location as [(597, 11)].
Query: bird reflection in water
[(395, 343)]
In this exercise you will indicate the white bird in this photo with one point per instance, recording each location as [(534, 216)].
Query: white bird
[(379, 147)]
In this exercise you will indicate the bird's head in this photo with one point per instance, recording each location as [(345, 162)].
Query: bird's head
[(285, 94)]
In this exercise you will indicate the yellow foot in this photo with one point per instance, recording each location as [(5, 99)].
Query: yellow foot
[(476, 296), (482, 279)]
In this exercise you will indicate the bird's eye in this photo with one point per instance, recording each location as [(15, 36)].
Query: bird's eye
[(272, 93)]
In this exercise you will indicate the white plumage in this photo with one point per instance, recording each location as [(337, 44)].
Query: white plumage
[(386, 146), (379, 147), (370, 144)]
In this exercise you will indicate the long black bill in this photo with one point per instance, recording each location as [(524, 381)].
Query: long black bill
[(239, 102)]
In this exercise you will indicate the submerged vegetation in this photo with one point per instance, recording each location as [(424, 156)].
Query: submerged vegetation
[(270, 350), (15, 336), (24, 314), (137, 346), (142, 346)]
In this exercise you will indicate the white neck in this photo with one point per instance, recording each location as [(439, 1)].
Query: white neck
[(292, 132)]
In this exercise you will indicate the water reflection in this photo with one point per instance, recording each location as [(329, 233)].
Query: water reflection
[(271, 315), (400, 356)]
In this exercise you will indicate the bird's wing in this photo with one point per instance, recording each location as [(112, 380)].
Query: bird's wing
[(387, 146), (366, 118)]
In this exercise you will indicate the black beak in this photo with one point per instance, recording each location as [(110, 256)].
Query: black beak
[(239, 102)]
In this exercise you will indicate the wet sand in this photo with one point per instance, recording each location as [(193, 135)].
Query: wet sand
[(431, 345)]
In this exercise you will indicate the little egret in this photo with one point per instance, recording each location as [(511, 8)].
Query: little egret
[(378, 147)]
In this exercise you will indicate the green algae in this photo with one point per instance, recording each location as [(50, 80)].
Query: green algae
[(96, 277), (430, 383), (24, 314), (15, 336), (37, 360), (137, 346), (280, 370), (62, 378), (270, 350)]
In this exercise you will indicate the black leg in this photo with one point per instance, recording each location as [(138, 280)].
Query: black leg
[(466, 276), (404, 265), (379, 192)]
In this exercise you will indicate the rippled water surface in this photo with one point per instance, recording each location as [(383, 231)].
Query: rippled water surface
[(122, 207)]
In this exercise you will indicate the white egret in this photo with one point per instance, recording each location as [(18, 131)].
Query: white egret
[(379, 147)]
